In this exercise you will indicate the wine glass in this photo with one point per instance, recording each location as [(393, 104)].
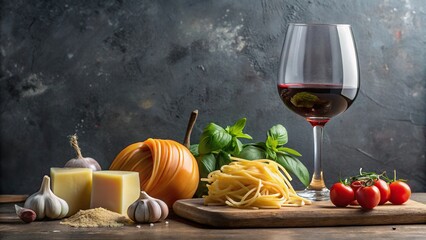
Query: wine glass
[(318, 79)]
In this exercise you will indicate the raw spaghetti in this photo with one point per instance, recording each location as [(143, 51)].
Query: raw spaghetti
[(251, 184)]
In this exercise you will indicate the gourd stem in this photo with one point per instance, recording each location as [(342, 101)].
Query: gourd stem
[(191, 123), (74, 144)]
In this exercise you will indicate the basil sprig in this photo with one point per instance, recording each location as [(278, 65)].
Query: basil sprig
[(217, 144), (274, 149)]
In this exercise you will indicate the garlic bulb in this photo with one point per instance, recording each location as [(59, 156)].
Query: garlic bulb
[(80, 161), (147, 209), (46, 204)]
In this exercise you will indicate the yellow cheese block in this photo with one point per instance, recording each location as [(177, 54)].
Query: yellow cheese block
[(74, 185), (115, 190)]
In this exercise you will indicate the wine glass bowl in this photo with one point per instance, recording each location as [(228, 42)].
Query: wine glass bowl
[(318, 103), (318, 79)]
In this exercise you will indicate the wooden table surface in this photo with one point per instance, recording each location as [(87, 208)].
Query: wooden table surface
[(178, 228)]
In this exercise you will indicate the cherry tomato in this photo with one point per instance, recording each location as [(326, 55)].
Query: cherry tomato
[(384, 190), (368, 197), (341, 195), (400, 192), (355, 185)]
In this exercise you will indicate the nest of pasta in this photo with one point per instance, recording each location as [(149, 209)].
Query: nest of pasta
[(254, 184)]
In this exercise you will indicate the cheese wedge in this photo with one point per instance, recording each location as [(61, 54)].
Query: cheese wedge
[(115, 190), (74, 185)]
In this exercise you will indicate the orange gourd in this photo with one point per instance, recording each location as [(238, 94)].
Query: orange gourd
[(167, 169)]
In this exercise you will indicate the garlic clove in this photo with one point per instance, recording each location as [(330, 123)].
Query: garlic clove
[(141, 213), (25, 214), (36, 203), (154, 210), (53, 208), (131, 211), (64, 208), (164, 210)]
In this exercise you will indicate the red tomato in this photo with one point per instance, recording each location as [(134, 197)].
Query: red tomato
[(384, 190), (341, 195), (400, 192), (355, 185), (368, 197)]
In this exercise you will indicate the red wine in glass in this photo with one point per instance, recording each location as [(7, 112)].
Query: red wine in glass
[(317, 102), (318, 79)]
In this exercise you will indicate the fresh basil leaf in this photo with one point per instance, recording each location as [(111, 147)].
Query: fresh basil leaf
[(206, 164), (289, 151), (243, 135), (239, 146), (252, 152), (304, 99), (258, 144), (212, 127), (194, 150), (279, 133), (294, 166), (271, 154), (223, 158), (213, 138), (271, 143), (234, 147), (237, 127)]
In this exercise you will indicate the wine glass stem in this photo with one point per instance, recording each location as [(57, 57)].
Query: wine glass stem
[(317, 182)]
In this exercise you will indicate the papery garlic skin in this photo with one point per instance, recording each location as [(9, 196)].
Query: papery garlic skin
[(85, 162)]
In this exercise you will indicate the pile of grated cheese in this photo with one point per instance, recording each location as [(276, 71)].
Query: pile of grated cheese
[(96, 217)]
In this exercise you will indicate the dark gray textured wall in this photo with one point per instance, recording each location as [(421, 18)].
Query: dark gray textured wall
[(117, 72)]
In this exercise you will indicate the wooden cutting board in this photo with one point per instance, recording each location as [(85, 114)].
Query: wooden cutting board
[(12, 198), (319, 214)]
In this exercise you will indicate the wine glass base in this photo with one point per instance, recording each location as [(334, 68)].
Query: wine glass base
[(315, 195)]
